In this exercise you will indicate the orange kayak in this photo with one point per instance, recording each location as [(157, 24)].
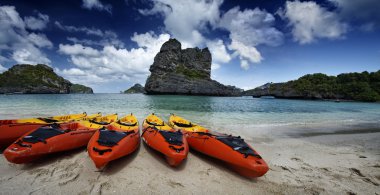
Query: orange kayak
[(50, 139), (118, 139), (12, 129), (164, 139), (233, 150)]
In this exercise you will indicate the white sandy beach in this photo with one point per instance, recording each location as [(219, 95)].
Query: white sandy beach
[(323, 164)]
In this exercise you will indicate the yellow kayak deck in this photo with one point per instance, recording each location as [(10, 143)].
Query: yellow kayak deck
[(126, 123), (179, 123), (154, 121)]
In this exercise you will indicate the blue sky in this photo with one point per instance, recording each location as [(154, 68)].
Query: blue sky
[(109, 45)]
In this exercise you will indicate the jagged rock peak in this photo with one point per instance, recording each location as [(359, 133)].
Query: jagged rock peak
[(184, 71), (171, 44)]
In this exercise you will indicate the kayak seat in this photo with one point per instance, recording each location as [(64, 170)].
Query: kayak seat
[(174, 138), (111, 138), (127, 124), (237, 144), (48, 120), (183, 124), (99, 122), (41, 134), (154, 124)]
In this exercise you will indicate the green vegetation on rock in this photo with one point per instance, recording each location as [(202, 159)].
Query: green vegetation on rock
[(77, 88), (29, 75), (137, 88), (348, 86), (40, 78), (192, 74)]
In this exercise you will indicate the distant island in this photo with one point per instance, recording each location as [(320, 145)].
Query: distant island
[(137, 88), (363, 86), (184, 71), (37, 79)]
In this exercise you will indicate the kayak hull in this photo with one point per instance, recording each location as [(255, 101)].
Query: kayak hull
[(11, 132), (174, 154), (24, 152), (232, 150), (124, 147), (248, 166)]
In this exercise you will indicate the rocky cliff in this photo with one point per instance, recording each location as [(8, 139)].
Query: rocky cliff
[(348, 86), (34, 79), (77, 88), (137, 88), (184, 71)]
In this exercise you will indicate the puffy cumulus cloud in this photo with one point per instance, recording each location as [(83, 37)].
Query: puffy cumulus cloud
[(24, 46), (29, 55), (96, 4), (186, 19), (245, 53), (77, 49), (253, 27), (36, 23), (189, 21), (364, 12), (40, 40), (218, 51), (248, 29), (106, 37), (110, 63), (310, 21)]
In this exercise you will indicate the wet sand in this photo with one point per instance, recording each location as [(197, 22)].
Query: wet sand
[(333, 163)]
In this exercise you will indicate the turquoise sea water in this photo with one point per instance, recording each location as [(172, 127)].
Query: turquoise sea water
[(243, 115)]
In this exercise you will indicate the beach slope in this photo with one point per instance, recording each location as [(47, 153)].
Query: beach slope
[(314, 164)]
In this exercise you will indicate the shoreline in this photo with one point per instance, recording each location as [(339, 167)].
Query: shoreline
[(203, 95), (326, 164)]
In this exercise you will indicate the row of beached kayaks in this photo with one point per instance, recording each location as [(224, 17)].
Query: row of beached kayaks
[(109, 138)]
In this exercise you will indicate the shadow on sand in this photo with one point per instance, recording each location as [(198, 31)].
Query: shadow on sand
[(118, 164), (52, 158)]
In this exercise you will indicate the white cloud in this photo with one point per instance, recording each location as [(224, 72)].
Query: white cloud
[(88, 31), (40, 40), (36, 23), (187, 18), (215, 66), (364, 12), (218, 51), (30, 55), (248, 29), (73, 72), (25, 47), (311, 21), (110, 63), (77, 49), (2, 69), (188, 21), (96, 4), (106, 37), (253, 27), (105, 41), (247, 54), (244, 64)]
